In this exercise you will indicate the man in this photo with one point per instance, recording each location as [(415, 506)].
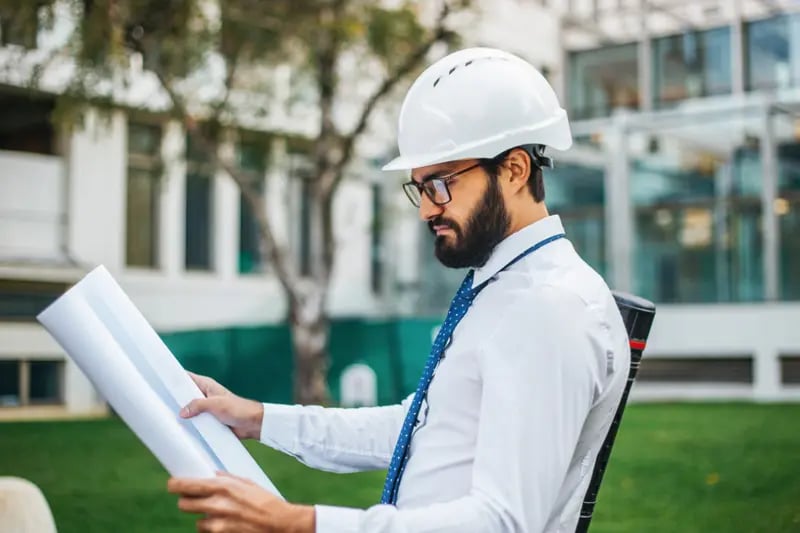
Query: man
[(528, 368)]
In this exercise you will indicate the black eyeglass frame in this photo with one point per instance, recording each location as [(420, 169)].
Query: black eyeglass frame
[(428, 186)]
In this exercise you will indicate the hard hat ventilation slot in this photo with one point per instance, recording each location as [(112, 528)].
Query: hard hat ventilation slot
[(468, 63)]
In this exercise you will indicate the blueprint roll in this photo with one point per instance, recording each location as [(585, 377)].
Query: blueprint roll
[(101, 329)]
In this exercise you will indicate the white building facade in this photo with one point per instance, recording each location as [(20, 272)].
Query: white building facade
[(664, 193), (127, 190)]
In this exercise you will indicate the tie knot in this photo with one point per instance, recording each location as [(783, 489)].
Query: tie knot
[(466, 291)]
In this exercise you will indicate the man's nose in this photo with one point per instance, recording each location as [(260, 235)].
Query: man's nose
[(427, 209)]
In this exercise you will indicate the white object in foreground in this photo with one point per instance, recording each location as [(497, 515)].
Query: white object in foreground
[(112, 343)]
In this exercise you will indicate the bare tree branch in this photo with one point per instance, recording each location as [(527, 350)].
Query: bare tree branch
[(231, 65), (328, 50), (411, 62), (278, 257)]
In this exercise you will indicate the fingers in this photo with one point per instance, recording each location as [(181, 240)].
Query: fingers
[(204, 383), (200, 405), (215, 525), (194, 487), (222, 474), (213, 505)]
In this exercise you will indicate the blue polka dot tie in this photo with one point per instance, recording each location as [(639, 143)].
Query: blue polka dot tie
[(458, 308)]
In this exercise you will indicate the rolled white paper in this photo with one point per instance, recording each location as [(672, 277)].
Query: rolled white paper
[(113, 344)]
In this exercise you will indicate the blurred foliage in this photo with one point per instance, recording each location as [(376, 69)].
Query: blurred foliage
[(216, 61), (177, 38)]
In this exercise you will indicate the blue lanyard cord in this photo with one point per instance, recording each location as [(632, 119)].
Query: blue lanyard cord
[(533, 248)]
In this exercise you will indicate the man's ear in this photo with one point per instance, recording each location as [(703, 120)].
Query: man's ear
[(519, 165)]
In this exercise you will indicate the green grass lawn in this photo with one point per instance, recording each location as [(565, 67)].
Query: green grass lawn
[(676, 467)]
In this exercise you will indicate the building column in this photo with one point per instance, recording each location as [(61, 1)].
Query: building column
[(766, 375), (737, 48), (225, 218), (645, 61), (97, 162), (723, 185), (173, 201), (278, 197), (769, 191), (80, 396), (619, 204)]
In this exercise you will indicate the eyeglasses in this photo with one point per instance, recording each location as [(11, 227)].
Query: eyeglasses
[(435, 187)]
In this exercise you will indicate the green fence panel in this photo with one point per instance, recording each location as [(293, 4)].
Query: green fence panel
[(256, 362)]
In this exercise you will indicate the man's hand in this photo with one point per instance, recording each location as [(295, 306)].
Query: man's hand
[(243, 416), (235, 505)]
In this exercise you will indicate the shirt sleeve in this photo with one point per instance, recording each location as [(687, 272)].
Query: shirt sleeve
[(540, 371), (332, 439)]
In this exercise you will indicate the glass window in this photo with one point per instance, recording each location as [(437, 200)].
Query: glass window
[(768, 45), (45, 382), (251, 156), (577, 194), (376, 231), (9, 383), (603, 79), (19, 25), (143, 195), (301, 175), (36, 133), (692, 65), (199, 207), (697, 224), (305, 226), (743, 245), (22, 300), (36, 382), (787, 208)]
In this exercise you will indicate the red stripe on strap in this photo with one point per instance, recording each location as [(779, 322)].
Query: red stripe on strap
[(638, 345)]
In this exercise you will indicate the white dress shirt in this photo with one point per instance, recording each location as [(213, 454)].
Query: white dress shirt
[(516, 413)]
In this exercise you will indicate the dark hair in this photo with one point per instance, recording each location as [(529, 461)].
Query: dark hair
[(535, 180)]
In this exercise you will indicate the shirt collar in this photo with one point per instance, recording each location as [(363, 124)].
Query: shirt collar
[(515, 244)]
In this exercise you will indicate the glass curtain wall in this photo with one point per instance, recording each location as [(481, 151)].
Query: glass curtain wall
[(577, 194), (697, 231), (787, 209), (602, 80), (767, 58), (691, 65)]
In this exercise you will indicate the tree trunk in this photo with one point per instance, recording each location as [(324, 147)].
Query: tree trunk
[(310, 330)]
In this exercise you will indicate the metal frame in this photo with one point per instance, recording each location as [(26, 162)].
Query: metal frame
[(661, 17), (615, 130)]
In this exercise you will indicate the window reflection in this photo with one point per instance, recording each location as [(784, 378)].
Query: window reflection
[(603, 79), (576, 193), (692, 65), (768, 45), (787, 209), (697, 225)]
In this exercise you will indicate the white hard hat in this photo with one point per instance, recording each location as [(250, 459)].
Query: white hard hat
[(477, 103)]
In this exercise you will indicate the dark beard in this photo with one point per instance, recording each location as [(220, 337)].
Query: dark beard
[(486, 227)]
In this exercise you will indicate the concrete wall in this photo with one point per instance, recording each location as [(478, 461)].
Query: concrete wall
[(764, 332), (32, 206)]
